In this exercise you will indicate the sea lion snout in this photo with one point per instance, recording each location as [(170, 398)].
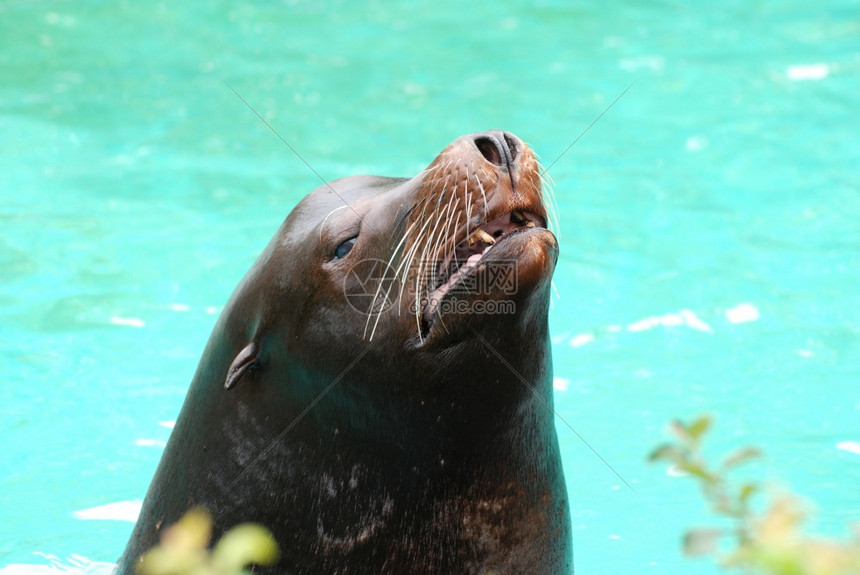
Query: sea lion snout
[(473, 205)]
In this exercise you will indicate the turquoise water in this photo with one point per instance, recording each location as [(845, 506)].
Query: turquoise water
[(710, 229)]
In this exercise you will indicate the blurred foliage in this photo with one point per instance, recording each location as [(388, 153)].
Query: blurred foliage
[(768, 542), (184, 549)]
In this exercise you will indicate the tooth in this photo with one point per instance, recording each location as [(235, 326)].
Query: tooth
[(530, 224), (483, 236), (518, 217), (486, 238)]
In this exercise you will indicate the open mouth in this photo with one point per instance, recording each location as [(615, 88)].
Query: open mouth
[(469, 252)]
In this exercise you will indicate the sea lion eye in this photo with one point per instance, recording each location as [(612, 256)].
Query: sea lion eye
[(344, 248)]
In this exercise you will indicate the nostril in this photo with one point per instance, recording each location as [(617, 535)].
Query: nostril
[(489, 148)]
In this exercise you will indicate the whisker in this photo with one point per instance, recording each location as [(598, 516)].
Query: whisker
[(399, 268), (379, 288), (483, 195), (547, 194), (322, 225), (468, 208), (430, 247), (448, 237)]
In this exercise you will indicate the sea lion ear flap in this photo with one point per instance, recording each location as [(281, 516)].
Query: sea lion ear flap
[(244, 360)]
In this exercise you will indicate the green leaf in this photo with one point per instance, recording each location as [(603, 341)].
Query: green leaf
[(666, 452), (678, 428), (747, 491), (698, 470), (740, 457), (699, 427), (699, 542), (244, 544)]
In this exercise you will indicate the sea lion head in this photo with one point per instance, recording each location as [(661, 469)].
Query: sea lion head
[(404, 272)]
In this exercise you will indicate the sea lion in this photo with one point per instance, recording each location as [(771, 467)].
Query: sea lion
[(409, 431)]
